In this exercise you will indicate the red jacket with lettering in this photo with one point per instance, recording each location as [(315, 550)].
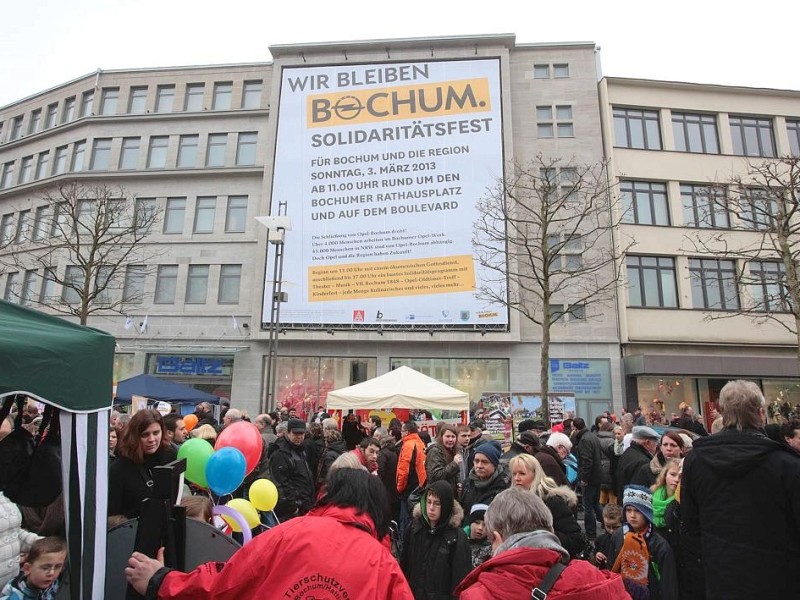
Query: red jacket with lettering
[(330, 553)]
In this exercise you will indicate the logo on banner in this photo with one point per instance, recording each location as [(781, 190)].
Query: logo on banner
[(555, 365), (358, 316), (465, 315)]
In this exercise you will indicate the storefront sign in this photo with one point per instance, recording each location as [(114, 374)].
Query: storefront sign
[(588, 379), (219, 366)]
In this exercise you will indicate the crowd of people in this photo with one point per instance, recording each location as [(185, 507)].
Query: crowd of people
[(618, 508)]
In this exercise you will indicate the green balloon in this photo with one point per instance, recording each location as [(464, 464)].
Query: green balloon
[(196, 452)]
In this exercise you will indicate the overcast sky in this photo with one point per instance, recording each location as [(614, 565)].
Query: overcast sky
[(48, 42)]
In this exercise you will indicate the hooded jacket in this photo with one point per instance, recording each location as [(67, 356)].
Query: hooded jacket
[(522, 561), (334, 448), (740, 492), (298, 557), (436, 559), (562, 503), (292, 477)]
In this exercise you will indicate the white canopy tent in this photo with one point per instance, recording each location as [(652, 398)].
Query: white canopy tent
[(402, 388)]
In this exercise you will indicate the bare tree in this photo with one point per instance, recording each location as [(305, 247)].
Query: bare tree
[(97, 233), (545, 234), (763, 250)]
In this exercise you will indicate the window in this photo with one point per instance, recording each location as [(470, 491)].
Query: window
[(87, 102), (174, 215), (569, 180), (644, 202), (40, 224), (560, 71), (187, 151), (104, 284), (73, 281), (236, 217), (50, 119), (205, 210), (11, 293), (570, 248), (8, 175), (793, 131), (166, 282), (60, 223), (222, 95), (229, 279), (695, 133), (6, 229), (26, 170), (157, 153), (752, 136), (101, 154), (48, 287), (768, 286), (36, 121), (713, 284), (137, 103), (16, 128), (704, 206), (194, 97), (563, 121), (556, 312), (23, 227), (577, 312), (108, 101), (541, 71), (197, 284), (129, 156), (215, 156), (133, 288), (165, 97), (60, 161), (251, 94), (144, 213), (28, 284), (41, 165), (758, 209), (77, 155), (246, 149), (651, 281), (69, 110), (637, 128)]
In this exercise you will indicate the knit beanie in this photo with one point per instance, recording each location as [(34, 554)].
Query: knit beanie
[(478, 513), (491, 451), (640, 498)]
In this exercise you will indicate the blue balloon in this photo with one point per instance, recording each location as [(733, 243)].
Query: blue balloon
[(225, 470)]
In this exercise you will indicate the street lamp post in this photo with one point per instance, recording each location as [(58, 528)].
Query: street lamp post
[(276, 226)]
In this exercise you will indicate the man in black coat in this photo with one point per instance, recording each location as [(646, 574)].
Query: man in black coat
[(486, 478), (290, 472), (644, 444), (740, 492), (590, 471)]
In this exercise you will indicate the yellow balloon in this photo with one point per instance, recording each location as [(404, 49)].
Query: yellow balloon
[(263, 494), (246, 509)]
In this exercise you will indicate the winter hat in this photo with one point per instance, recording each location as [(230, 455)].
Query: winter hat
[(528, 438), (640, 498), (642, 432), (490, 450), (444, 491), (296, 426), (478, 513)]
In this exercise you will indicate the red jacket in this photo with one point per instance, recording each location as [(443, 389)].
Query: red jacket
[(329, 553), (511, 574), (404, 466)]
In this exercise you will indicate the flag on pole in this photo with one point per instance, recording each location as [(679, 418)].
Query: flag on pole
[(128, 321), (235, 324), (143, 325)]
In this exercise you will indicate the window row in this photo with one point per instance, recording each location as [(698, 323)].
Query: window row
[(697, 132), (554, 121), (46, 288), (546, 71), (715, 283), (703, 205), (167, 98), (132, 153)]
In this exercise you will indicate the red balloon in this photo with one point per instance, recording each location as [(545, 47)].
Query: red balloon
[(246, 438)]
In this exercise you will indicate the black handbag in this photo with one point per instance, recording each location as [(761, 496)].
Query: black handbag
[(35, 476)]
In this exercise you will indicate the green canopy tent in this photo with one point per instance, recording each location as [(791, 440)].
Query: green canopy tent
[(71, 367)]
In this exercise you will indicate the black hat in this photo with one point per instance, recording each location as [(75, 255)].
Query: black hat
[(528, 438), (296, 426), (477, 424)]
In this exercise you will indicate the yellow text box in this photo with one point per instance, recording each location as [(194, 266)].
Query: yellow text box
[(411, 277)]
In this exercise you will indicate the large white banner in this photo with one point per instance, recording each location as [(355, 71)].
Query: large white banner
[(380, 167)]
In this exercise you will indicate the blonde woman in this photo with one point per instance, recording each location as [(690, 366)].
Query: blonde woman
[(527, 473), (664, 493)]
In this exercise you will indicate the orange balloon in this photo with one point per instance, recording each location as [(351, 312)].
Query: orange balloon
[(190, 421)]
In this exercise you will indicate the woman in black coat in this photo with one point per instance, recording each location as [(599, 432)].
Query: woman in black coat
[(442, 459), (436, 554), (142, 447)]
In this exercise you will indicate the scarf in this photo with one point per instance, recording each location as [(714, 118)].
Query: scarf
[(633, 560), (660, 503)]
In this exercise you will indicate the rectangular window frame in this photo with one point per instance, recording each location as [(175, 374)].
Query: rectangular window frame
[(166, 284), (188, 146), (703, 211), (644, 271), (223, 94), (695, 132), (246, 147), (251, 94), (642, 122), (157, 150), (165, 98), (752, 136), (236, 214), (230, 278), (101, 154), (707, 274), (635, 196), (137, 100), (216, 149), (197, 284), (174, 216), (129, 153), (205, 211), (109, 100)]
